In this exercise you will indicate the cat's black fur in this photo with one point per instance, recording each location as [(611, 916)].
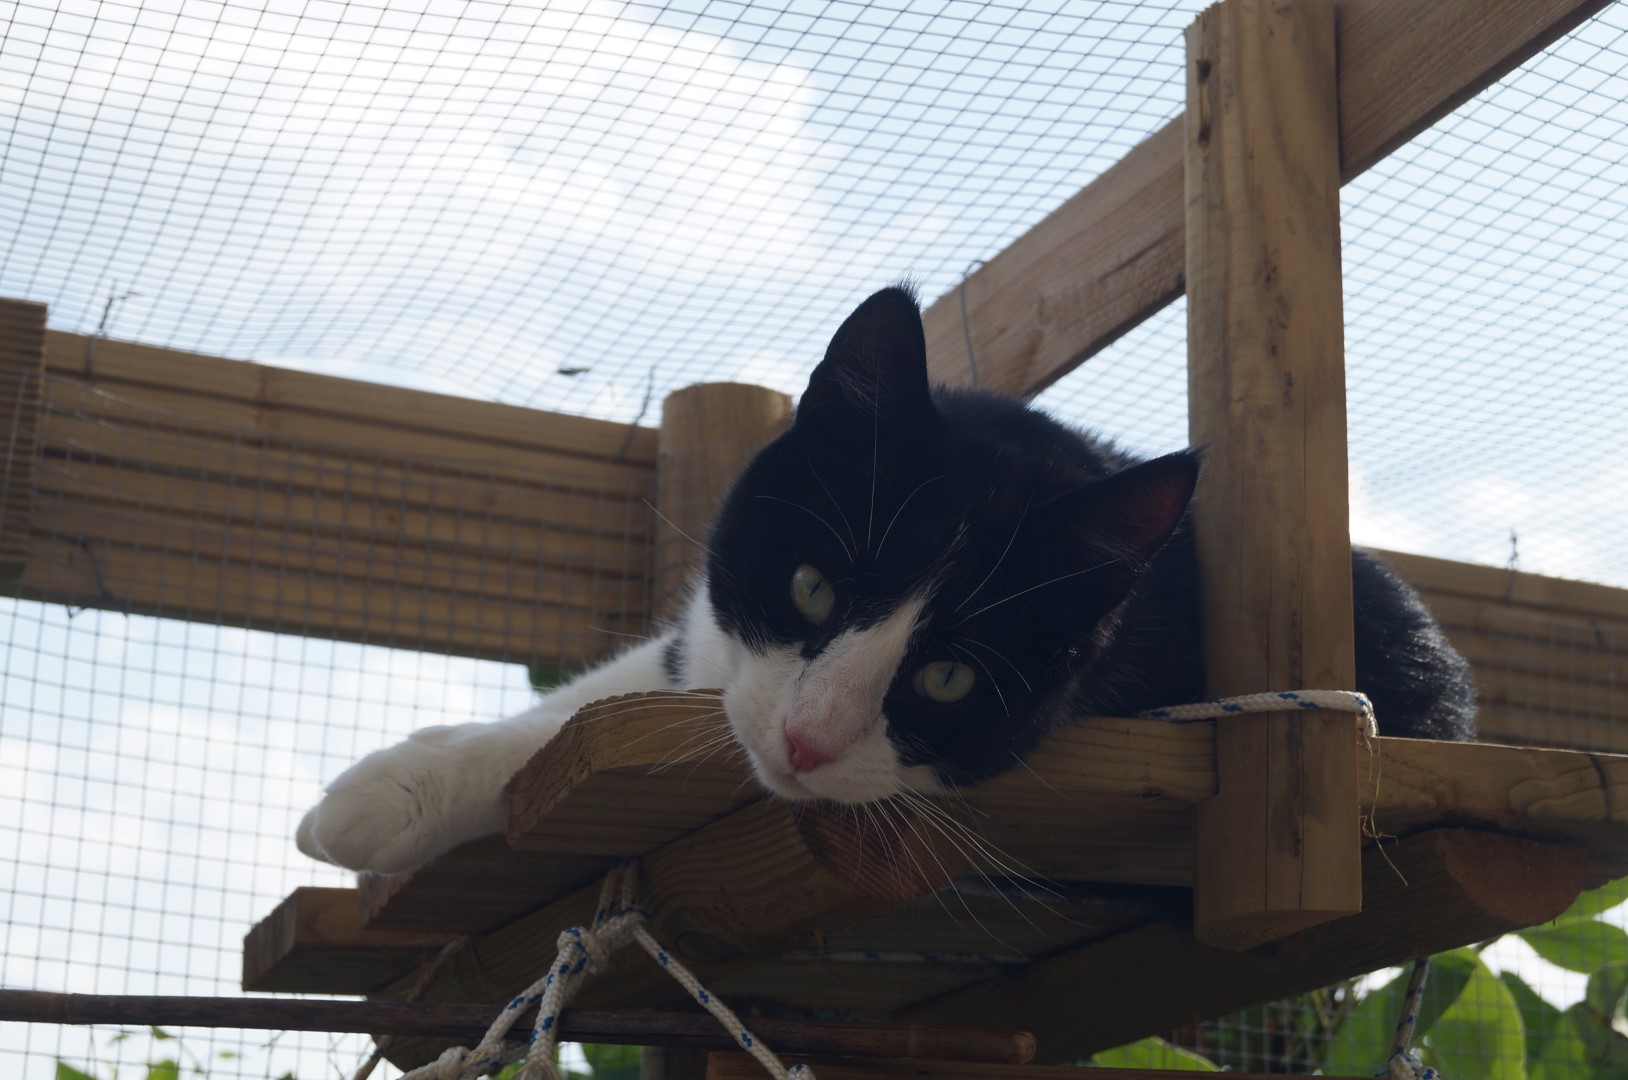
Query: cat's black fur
[(1058, 567)]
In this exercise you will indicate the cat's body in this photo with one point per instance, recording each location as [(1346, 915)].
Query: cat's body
[(904, 592)]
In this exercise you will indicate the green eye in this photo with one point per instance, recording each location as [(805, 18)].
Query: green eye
[(944, 681), (812, 594)]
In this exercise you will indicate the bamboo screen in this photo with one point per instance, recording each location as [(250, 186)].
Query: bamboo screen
[(580, 207)]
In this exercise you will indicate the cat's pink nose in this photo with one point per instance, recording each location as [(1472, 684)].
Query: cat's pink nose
[(805, 756)]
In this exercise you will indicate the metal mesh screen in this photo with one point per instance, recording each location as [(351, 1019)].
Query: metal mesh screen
[(584, 206)]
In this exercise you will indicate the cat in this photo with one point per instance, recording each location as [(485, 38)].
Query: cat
[(904, 592)]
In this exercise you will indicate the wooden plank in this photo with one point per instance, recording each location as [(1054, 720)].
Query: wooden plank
[(708, 434), (258, 397), (739, 1066), (118, 446), (627, 1027), (1405, 65), (315, 941), (1447, 887), (1112, 255), (767, 878), (1277, 847), (1517, 588), (1087, 273), (22, 359), (137, 580)]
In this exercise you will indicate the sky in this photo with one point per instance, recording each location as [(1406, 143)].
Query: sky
[(477, 198)]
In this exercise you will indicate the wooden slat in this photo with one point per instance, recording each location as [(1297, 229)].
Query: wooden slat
[(1436, 891), (767, 878), (1112, 255), (283, 401), (1518, 589), (596, 794), (738, 1066), (22, 358), (315, 938), (1276, 847), (154, 582)]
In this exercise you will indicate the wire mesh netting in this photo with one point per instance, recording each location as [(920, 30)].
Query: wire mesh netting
[(582, 206)]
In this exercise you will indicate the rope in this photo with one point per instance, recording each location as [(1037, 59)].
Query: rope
[(582, 952), (1276, 701), (1403, 1063)]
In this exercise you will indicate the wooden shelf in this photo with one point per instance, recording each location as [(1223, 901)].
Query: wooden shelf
[(798, 909)]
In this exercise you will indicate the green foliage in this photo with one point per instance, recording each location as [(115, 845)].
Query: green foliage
[(1480, 1034), (545, 677), (1153, 1054), (68, 1072)]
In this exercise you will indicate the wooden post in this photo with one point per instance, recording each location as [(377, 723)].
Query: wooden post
[(1276, 850), (708, 433), (22, 369)]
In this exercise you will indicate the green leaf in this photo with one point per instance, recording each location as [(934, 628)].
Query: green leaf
[(68, 1072), (1607, 996), (1153, 1054), (1363, 1041), (1480, 1035), (1596, 901), (1607, 1049), (611, 1062), (163, 1070), (160, 1034), (1540, 1018), (1564, 1055), (1578, 945)]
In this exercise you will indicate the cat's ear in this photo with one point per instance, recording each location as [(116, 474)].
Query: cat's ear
[(874, 368), (1130, 515)]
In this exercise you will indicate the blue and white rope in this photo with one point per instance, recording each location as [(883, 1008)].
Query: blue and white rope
[(582, 952), (1403, 1063), (1275, 701)]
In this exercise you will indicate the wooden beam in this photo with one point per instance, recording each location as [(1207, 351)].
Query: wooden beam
[(1112, 255), (1277, 847), (751, 885), (282, 401), (316, 938), (1428, 893), (22, 360), (470, 1022), (738, 1066), (708, 434), (1515, 588), (181, 505)]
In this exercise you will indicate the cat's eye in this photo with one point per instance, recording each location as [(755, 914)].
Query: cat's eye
[(944, 681), (812, 594)]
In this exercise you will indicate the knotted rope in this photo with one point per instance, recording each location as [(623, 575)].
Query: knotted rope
[(1275, 701), (1403, 1063), (582, 952)]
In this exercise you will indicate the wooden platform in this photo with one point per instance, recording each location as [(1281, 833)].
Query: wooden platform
[(1009, 907)]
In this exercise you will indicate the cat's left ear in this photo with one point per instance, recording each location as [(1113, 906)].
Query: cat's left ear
[(875, 367), (1130, 515)]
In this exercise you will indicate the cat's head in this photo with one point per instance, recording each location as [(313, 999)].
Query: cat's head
[(917, 583)]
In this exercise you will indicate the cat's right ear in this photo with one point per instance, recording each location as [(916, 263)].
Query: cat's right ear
[(875, 368)]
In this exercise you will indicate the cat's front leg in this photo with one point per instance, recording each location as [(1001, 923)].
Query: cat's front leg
[(400, 807)]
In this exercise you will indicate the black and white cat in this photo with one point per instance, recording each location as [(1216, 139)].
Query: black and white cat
[(903, 592)]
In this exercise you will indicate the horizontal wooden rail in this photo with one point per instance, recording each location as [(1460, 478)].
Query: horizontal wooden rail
[(193, 487), (469, 1022), (1113, 254)]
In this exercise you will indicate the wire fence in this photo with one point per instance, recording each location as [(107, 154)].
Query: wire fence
[(585, 205)]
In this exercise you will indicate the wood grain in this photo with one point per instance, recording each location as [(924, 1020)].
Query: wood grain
[(316, 938), (273, 400), (22, 359), (1436, 891), (1277, 847), (708, 434)]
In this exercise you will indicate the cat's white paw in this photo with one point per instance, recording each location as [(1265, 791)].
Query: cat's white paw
[(400, 807)]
